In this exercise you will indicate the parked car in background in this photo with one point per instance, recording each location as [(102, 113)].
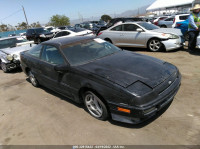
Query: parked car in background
[(52, 29), (183, 26), (180, 18), (117, 20), (126, 86), (155, 21), (11, 35), (143, 35), (23, 35), (38, 35), (64, 27), (10, 49), (166, 23), (73, 32)]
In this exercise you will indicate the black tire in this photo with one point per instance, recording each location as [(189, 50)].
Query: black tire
[(97, 109), (155, 45), (163, 26), (108, 40), (4, 68), (32, 79)]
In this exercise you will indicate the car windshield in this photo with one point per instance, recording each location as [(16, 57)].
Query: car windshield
[(41, 30), (148, 26), (7, 43), (89, 50)]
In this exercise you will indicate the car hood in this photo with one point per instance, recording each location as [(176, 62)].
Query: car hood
[(125, 68), (17, 50), (169, 30)]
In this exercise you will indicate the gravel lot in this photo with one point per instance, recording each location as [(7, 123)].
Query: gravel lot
[(39, 116)]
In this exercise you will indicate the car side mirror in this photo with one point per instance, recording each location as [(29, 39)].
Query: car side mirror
[(61, 68), (139, 30)]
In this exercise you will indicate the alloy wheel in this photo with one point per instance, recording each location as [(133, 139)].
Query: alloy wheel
[(93, 105), (33, 80), (155, 45), (3, 67)]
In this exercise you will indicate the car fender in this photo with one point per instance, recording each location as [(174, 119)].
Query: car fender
[(3, 57)]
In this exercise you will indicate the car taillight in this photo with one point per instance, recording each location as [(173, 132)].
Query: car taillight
[(100, 33), (156, 23), (178, 25), (174, 20)]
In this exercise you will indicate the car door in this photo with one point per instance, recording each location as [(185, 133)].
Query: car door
[(50, 57), (169, 22), (115, 35), (33, 61), (131, 37)]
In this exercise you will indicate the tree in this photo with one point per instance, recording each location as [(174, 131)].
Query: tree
[(106, 18), (59, 20), (35, 24), (21, 26), (3, 28)]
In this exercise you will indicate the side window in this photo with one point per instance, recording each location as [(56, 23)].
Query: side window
[(35, 51), (183, 17), (58, 34), (170, 19), (130, 27), (51, 55), (117, 28), (65, 33)]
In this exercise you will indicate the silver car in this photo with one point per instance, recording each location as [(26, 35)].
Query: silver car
[(166, 23), (10, 49), (143, 35)]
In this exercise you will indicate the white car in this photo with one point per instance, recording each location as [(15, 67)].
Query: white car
[(179, 18), (10, 49), (143, 35), (23, 35), (52, 29), (73, 32)]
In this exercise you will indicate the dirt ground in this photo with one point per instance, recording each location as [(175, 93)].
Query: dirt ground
[(39, 116)]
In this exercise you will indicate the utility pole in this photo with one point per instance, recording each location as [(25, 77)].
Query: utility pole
[(25, 16)]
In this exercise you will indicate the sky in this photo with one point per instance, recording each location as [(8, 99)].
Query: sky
[(42, 10)]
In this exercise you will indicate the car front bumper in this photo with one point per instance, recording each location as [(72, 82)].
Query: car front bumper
[(172, 44), (13, 65), (143, 113)]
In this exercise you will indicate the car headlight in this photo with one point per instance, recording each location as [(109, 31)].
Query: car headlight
[(9, 57), (42, 35), (138, 89), (170, 36)]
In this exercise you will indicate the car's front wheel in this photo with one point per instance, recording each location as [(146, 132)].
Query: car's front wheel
[(4, 67), (154, 45), (95, 106), (32, 79)]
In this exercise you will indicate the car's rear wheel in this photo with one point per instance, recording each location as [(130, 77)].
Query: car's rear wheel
[(33, 80), (155, 45), (108, 40), (163, 26), (95, 106), (4, 67)]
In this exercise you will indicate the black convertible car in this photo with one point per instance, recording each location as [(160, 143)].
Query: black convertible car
[(127, 86)]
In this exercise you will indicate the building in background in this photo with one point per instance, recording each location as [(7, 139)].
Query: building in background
[(168, 7)]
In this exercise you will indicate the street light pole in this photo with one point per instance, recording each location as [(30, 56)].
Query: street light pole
[(25, 16)]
